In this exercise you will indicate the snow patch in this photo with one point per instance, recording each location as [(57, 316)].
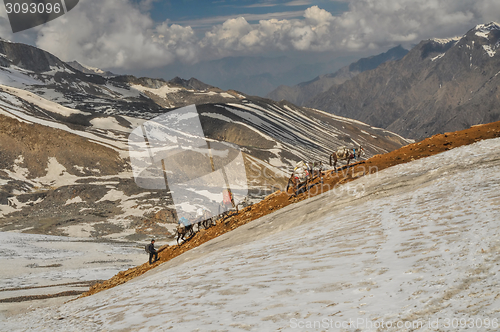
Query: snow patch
[(79, 231), (120, 146), (161, 92), (446, 40), (74, 200), (209, 93), (41, 102), (226, 95), (483, 30), (126, 93), (14, 78), (20, 173), (14, 203), (217, 116), (489, 50), (439, 56), (57, 175), (113, 195), (24, 257), (108, 123)]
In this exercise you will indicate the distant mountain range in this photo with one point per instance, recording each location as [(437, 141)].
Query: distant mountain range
[(253, 75), (301, 93), (65, 168), (439, 86)]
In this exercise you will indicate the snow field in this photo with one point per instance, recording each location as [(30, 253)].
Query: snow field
[(421, 245), (32, 263)]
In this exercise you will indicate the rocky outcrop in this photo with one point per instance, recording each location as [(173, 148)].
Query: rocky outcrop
[(28, 57)]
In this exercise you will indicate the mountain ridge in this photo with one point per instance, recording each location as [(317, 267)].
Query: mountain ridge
[(301, 93), (438, 86)]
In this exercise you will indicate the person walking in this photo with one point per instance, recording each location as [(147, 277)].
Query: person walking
[(152, 251)]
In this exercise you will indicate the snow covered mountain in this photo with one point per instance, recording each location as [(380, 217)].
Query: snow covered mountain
[(440, 85), (65, 168), (416, 250)]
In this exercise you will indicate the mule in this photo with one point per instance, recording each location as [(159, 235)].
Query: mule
[(183, 230), (205, 220), (207, 223), (225, 209), (303, 174), (343, 153)]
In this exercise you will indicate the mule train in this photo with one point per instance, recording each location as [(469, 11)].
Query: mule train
[(303, 175), (185, 227), (344, 153), (206, 218)]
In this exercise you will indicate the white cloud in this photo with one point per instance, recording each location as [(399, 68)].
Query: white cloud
[(115, 34), (236, 35), (368, 24), (489, 10), (316, 16), (385, 22), (118, 34), (178, 40), (145, 5), (213, 20), (229, 35)]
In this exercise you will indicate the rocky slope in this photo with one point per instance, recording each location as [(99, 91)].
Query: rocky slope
[(301, 93), (440, 85)]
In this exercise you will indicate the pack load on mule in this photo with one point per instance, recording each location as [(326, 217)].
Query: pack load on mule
[(183, 222), (302, 174), (301, 171), (344, 153), (184, 227), (204, 218), (315, 168)]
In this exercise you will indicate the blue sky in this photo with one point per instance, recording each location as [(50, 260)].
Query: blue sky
[(204, 14)]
